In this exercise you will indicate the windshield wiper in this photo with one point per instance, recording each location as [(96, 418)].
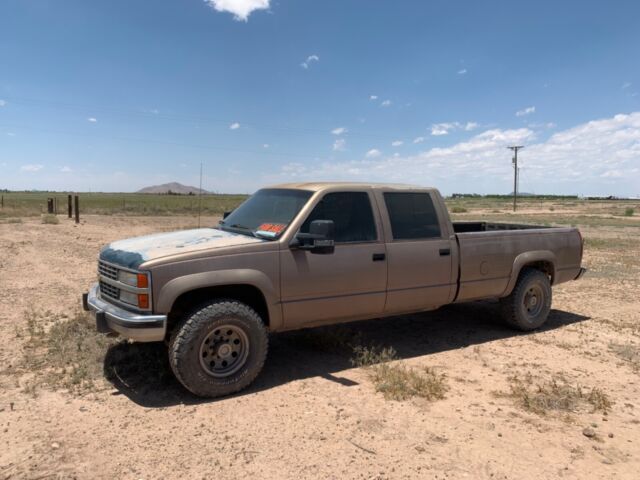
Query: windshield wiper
[(242, 229)]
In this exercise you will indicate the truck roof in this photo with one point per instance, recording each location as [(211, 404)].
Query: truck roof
[(318, 186)]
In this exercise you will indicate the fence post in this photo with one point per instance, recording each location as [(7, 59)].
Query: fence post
[(2, 202), (49, 205), (70, 206), (77, 205)]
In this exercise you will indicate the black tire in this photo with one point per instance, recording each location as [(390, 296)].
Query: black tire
[(528, 305), (219, 349)]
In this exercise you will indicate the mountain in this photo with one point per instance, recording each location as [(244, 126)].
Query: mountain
[(173, 187)]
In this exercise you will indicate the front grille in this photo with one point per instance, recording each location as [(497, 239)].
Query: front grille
[(109, 290), (107, 270)]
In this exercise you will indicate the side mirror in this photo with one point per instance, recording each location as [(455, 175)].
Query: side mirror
[(320, 239), (226, 214)]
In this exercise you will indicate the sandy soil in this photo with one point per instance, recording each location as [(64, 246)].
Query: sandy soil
[(310, 414)]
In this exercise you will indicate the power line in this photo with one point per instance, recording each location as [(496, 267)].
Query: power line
[(155, 114), (515, 149)]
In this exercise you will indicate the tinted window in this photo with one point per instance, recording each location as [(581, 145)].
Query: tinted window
[(269, 205), (412, 215), (351, 213)]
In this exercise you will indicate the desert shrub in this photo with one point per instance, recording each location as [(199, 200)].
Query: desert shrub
[(50, 219), (64, 352), (397, 381), (458, 209), (557, 395), (628, 212)]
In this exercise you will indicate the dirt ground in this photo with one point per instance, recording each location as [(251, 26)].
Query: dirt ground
[(311, 414)]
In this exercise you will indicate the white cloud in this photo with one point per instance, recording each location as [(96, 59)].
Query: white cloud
[(373, 97), (339, 145), (626, 85), (470, 126), (265, 145), (241, 9), (2, 103), (462, 71), (310, 59), (396, 143), (31, 168), (373, 153), (11, 134), (600, 157), (386, 103), (525, 111), (234, 126), (438, 129), (66, 169), (418, 140), (339, 130), (92, 120)]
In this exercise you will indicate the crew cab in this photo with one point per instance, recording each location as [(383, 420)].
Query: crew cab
[(300, 255)]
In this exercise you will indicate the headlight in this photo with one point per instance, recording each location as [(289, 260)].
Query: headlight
[(129, 297), (140, 280), (140, 300), (128, 278)]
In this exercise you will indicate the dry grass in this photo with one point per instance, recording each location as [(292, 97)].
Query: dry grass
[(50, 219), (63, 352), (628, 352), (557, 395), (397, 381), (457, 209)]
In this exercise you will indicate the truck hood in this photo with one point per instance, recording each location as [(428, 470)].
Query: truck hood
[(132, 252)]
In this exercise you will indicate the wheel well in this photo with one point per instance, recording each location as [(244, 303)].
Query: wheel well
[(544, 266), (247, 294)]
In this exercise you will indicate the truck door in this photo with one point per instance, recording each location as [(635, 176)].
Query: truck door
[(349, 283), (419, 252)]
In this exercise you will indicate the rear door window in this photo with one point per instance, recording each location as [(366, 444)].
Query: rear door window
[(412, 215), (351, 214)]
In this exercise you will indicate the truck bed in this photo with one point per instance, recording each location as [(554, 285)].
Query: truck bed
[(463, 227), (490, 252)]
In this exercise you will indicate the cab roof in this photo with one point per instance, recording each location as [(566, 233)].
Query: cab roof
[(319, 186)]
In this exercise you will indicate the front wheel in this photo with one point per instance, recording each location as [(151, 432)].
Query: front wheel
[(528, 305), (219, 349)]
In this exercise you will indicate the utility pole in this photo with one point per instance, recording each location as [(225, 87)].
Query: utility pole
[(200, 196), (514, 160)]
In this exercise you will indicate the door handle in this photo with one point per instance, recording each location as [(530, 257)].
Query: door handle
[(445, 251), (379, 257)]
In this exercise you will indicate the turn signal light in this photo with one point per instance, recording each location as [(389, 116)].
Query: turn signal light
[(143, 280), (143, 300)]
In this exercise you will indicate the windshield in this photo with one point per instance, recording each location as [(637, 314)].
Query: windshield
[(266, 213)]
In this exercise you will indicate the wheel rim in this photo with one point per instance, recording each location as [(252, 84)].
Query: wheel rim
[(533, 301), (224, 351)]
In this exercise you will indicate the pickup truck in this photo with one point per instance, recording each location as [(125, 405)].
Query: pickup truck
[(300, 255)]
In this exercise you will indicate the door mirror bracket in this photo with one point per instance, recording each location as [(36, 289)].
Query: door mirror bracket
[(320, 239)]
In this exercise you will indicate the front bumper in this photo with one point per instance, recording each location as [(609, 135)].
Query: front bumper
[(113, 319)]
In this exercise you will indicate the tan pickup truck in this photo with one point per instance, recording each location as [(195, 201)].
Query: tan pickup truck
[(307, 254)]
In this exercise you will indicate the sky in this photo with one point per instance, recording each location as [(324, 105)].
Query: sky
[(118, 95)]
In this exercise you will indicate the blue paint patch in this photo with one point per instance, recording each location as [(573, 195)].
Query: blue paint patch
[(132, 252), (120, 257)]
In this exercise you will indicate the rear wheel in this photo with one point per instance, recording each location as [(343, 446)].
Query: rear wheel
[(528, 305), (219, 349)]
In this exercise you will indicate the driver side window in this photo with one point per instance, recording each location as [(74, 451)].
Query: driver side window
[(351, 214)]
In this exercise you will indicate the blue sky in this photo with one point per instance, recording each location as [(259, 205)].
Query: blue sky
[(117, 95)]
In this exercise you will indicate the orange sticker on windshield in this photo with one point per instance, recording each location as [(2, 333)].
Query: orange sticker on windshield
[(271, 227)]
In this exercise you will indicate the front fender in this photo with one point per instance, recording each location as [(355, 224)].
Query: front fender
[(186, 283), (527, 258)]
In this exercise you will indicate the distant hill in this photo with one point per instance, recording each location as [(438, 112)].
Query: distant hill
[(173, 187)]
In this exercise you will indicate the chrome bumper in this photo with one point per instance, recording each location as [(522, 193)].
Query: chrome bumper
[(580, 273), (113, 319)]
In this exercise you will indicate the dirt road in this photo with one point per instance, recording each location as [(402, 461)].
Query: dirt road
[(311, 414)]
